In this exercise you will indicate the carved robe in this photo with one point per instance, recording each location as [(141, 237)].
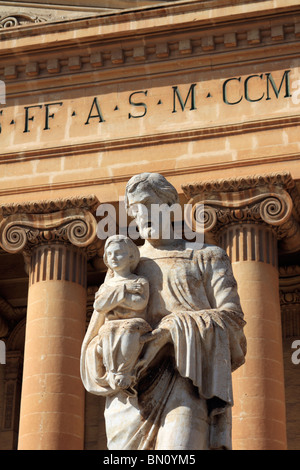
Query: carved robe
[(184, 397), (119, 336)]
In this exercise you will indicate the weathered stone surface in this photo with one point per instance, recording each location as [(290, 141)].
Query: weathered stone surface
[(184, 392)]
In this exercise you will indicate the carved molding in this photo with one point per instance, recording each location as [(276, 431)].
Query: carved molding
[(290, 272), (19, 20), (28, 226), (289, 291), (271, 200), (72, 225), (282, 180), (290, 298), (199, 44), (89, 203)]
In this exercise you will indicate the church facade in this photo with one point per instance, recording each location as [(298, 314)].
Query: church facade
[(206, 93)]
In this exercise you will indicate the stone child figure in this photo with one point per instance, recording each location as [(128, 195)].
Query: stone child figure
[(122, 301), (184, 389)]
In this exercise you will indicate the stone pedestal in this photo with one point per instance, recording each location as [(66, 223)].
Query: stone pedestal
[(247, 217), (55, 245)]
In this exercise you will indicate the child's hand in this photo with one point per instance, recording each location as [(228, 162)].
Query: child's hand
[(134, 287)]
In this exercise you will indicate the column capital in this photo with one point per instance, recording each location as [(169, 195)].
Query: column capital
[(69, 220), (271, 199)]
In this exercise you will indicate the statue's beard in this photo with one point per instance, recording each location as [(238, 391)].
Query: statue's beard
[(152, 231), (147, 231)]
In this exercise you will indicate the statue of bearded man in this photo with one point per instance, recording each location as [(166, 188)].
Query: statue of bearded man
[(184, 390)]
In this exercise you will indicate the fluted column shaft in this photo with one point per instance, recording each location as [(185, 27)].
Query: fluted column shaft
[(52, 404), (259, 420)]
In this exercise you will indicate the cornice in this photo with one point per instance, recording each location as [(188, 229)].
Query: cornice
[(174, 43), (209, 11), (88, 203)]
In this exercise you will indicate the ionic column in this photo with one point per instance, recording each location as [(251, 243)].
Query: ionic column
[(55, 245), (246, 217), (259, 412)]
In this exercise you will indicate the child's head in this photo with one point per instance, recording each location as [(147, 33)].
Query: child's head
[(119, 248)]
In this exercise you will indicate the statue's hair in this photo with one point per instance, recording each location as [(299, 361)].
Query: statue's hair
[(157, 183), (133, 251)]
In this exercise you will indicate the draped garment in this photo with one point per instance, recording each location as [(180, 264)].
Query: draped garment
[(194, 294)]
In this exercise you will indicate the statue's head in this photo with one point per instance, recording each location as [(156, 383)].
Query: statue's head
[(142, 192), (141, 187), (122, 247)]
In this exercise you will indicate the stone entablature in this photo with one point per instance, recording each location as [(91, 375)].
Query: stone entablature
[(76, 99), (201, 42)]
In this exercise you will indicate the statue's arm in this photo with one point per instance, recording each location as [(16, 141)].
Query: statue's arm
[(219, 282), (226, 311), (109, 297), (136, 295)]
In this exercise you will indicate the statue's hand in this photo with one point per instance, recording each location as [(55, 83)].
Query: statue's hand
[(154, 342), (160, 335), (134, 287)]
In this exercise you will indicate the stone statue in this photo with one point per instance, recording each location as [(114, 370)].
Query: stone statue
[(182, 376), (122, 300)]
